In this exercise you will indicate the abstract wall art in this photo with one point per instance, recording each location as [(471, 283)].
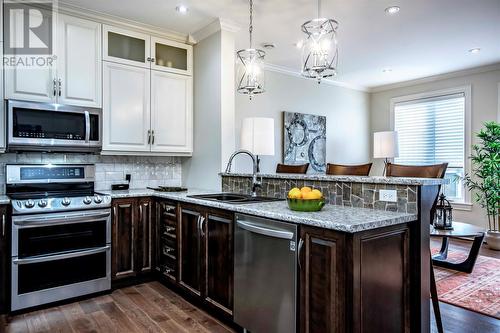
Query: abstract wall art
[(304, 140)]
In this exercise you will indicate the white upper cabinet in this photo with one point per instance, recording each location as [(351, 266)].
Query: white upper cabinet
[(75, 75), (126, 109), (171, 113), (171, 56), (33, 83), (126, 47), (79, 62)]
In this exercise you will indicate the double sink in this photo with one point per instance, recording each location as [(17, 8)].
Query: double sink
[(233, 198)]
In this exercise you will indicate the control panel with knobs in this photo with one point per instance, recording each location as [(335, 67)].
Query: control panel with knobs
[(87, 200), (66, 201), (97, 199)]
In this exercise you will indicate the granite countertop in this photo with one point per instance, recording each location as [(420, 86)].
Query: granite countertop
[(351, 179), (346, 219), (4, 200)]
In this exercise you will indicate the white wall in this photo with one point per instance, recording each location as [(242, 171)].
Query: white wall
[(206, 112), (484, 107), (346, 111)]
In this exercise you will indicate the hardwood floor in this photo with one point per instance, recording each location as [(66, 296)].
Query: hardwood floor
[(148, 307), (151, 307), (456, 319)]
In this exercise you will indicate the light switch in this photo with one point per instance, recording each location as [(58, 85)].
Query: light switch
[(388, 195)]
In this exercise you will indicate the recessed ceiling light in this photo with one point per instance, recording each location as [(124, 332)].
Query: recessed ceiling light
[(386, 70), (475, 50), (268, 45), (181, 9), (392, 10)]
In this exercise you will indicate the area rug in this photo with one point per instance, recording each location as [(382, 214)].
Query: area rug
[(478, 291)]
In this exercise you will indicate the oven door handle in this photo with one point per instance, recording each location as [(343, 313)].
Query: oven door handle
[(87, 127), (56, 219), (69, 255)]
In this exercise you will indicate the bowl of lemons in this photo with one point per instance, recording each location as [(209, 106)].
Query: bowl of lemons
[(305, 199)]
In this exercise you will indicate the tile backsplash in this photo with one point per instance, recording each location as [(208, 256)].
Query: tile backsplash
[(144, 170)]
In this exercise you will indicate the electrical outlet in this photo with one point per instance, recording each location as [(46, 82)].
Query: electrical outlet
[(388, 195)]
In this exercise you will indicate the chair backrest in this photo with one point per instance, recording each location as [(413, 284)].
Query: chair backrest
[(286, 168), (418, 171), (348, 170)]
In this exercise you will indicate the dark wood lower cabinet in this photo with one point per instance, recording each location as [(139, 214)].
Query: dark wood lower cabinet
[(191, 247), (354, 282), (4, 259), (132, 238), (219, 260), (206, 255), (322, 280)]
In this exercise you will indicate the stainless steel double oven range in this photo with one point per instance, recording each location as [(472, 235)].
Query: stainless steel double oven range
[(61, 234)]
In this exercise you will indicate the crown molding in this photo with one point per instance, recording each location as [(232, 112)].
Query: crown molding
[(295, 73), (438, 77), (217, 25), (66, 8)]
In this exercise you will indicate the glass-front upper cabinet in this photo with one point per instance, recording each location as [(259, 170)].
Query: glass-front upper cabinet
[(126, 47), (170, 56)]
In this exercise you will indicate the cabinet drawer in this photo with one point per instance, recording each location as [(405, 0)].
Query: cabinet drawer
[(169, 251), (168, 231)]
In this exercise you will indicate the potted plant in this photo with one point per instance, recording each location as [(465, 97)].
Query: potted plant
[(485, 178)]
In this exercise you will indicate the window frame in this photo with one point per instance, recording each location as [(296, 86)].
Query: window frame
[(465, 203)]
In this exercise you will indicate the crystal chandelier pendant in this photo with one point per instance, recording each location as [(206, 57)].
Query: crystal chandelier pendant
[(320, 49), (251, 70)]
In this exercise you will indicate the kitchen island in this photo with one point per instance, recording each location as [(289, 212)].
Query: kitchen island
[(362, 269)]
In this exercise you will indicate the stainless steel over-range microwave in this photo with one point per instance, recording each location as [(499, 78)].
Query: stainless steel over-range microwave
[(35, 126)]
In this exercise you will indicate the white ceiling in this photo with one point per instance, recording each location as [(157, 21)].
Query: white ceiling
[(427, 37)]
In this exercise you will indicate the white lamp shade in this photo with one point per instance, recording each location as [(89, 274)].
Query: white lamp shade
[(257, 135), (385, 144)]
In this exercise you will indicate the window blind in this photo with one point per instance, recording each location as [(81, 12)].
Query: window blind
[(431, 130)]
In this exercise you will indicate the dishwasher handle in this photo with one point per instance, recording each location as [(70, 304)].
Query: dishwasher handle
[(264, 231)]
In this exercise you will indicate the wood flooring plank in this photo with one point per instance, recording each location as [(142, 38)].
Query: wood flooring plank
[(79, 321), (89, 306), (104, 323), (118, 318), (145, 303), (57, 321), (36, 322), (197, 314), (137, 315), (16, 324)]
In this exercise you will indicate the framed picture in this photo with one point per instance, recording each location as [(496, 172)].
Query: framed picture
[(304, 140)]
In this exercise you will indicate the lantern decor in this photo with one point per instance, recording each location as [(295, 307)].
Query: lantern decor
[(251, 70), (320, 49), (443, 218)]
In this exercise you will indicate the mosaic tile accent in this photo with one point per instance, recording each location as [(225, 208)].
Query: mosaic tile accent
[(144, 170), (347, 194)]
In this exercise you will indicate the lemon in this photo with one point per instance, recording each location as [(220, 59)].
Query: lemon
[(295, 193), (305, 189), (317, 194), (308, 195)]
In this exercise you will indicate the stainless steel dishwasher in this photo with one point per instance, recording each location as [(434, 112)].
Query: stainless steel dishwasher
[(265, 275)]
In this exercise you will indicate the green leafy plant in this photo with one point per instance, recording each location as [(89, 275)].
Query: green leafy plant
[(485, 177)]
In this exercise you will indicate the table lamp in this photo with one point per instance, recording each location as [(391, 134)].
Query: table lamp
[(257, 136), (385, 145)]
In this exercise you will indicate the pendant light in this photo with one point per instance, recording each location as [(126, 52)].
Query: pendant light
[(320, 50), (251, 69)]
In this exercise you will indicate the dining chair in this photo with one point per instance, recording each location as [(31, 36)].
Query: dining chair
[(287, 168), (423, 171), (348, 170)]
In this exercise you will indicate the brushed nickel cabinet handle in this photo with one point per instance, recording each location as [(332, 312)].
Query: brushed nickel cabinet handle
[(149, 137), (3, 225), (153, 134), (59, 87), (301, 242), (54, 86), (202, 222)]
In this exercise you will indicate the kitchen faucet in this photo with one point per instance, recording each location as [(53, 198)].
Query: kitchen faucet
[(255, 183)]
